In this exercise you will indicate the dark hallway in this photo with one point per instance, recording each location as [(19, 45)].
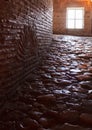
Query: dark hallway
[(45, 78)]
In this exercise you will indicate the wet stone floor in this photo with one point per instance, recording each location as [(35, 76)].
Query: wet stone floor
[(59, 96)]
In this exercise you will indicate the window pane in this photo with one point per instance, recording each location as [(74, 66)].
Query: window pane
[(71, 14), (75, 18), (79, 14), (70, 24), (79, 24)]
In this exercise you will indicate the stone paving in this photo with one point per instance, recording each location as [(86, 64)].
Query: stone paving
[(59, 94)]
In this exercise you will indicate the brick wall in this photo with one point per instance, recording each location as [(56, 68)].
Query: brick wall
[(25, 29), (60, 17)]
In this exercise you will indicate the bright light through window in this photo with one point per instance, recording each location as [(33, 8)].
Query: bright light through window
[(75, 18)]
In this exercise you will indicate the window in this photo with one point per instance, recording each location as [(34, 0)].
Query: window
[(75, 18)]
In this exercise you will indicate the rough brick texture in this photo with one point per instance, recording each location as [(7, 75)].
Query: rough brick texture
[(25, 28), (60, 17)]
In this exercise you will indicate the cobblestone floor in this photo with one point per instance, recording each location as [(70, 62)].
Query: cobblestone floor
[(59, 96)]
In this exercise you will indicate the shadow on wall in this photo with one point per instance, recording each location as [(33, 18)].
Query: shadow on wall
[(25, 26)]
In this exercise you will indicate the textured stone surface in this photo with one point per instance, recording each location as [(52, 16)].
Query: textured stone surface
[(25, 30), (71, 127), (86, 118), (54, 98)]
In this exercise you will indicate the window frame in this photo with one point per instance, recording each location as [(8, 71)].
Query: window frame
[(75, 19)]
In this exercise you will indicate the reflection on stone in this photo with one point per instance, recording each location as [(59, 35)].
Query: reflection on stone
[(59, 95)]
